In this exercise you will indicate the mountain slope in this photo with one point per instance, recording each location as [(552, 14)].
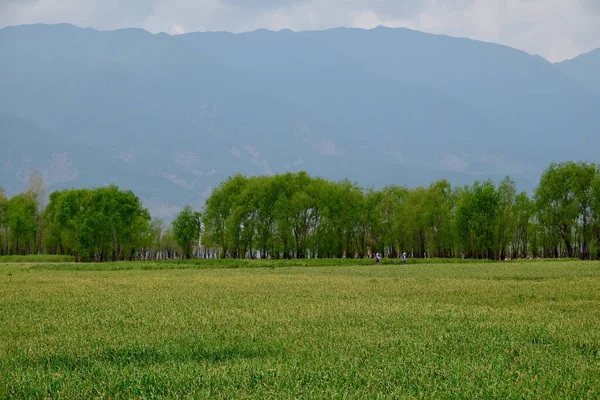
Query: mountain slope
[(584, 69), (172, 116), (521, 95)]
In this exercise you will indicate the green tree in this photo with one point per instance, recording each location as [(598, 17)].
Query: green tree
[(265, 195), (151, 239), (583, 178), (168, 245), (369, 226), (595, 207), (21, 214), (438, 217), (217, 215), (283, 213), (523, 217), (96, 224), (187, 228), (564, 201), (476, 219), (3, 222), (417, 222), (507, 193), (51, 240), (37, 189), (392, 233)]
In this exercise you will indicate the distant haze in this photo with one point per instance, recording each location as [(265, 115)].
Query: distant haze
[(170, 117), (555, 29)]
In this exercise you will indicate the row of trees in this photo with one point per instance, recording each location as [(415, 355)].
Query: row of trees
[(298, 216), (98, 224)]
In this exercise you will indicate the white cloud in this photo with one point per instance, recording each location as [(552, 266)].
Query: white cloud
[(173, 178), (177, 30), (328, 147), (556, 29)]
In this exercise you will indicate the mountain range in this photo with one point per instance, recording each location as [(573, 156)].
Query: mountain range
[(170, 117)]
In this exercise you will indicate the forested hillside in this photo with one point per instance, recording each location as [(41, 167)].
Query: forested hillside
[(294, 215), (170, 117)]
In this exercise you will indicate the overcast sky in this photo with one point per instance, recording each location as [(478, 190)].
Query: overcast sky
[(555, 29)]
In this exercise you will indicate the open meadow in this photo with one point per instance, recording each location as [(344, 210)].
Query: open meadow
[(472, 330)]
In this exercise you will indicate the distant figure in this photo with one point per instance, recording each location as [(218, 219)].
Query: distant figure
[(377, 258), (403, 258)]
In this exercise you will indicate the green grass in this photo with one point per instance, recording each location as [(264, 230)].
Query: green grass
[(243, 263), (230, 264), (476, 330), (37, 258)]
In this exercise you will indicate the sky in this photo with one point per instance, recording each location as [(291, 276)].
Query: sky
[(554, 29)]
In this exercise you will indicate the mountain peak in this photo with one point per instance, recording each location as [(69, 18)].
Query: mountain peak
[(593, 54), (135, 30), (60, 27), (584, 69)]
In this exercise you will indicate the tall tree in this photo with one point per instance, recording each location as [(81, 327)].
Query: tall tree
[(96, 224), (563, 202), (595, 201), (217, 215), (21, 214), (37, 189), (168, 245), (393, 228), (438, 215), (51, 241), (187, 228), (583, 179), (3, 222), (507, 192), (415, 219), (476, 219), (369, 227), (523, 216)]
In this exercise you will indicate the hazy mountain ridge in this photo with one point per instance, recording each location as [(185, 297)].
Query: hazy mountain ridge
[(172, 116), (584, 69)]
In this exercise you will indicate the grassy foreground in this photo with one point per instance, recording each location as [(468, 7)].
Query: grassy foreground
[(436, 331)]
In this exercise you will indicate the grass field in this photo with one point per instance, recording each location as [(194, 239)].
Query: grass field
[(503, 330), (37, 258)]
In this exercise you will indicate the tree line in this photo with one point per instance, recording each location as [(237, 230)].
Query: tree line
[(297, 216), (100, 224), (294, 215)]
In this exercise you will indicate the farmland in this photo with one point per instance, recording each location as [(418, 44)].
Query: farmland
[(488, 330)]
